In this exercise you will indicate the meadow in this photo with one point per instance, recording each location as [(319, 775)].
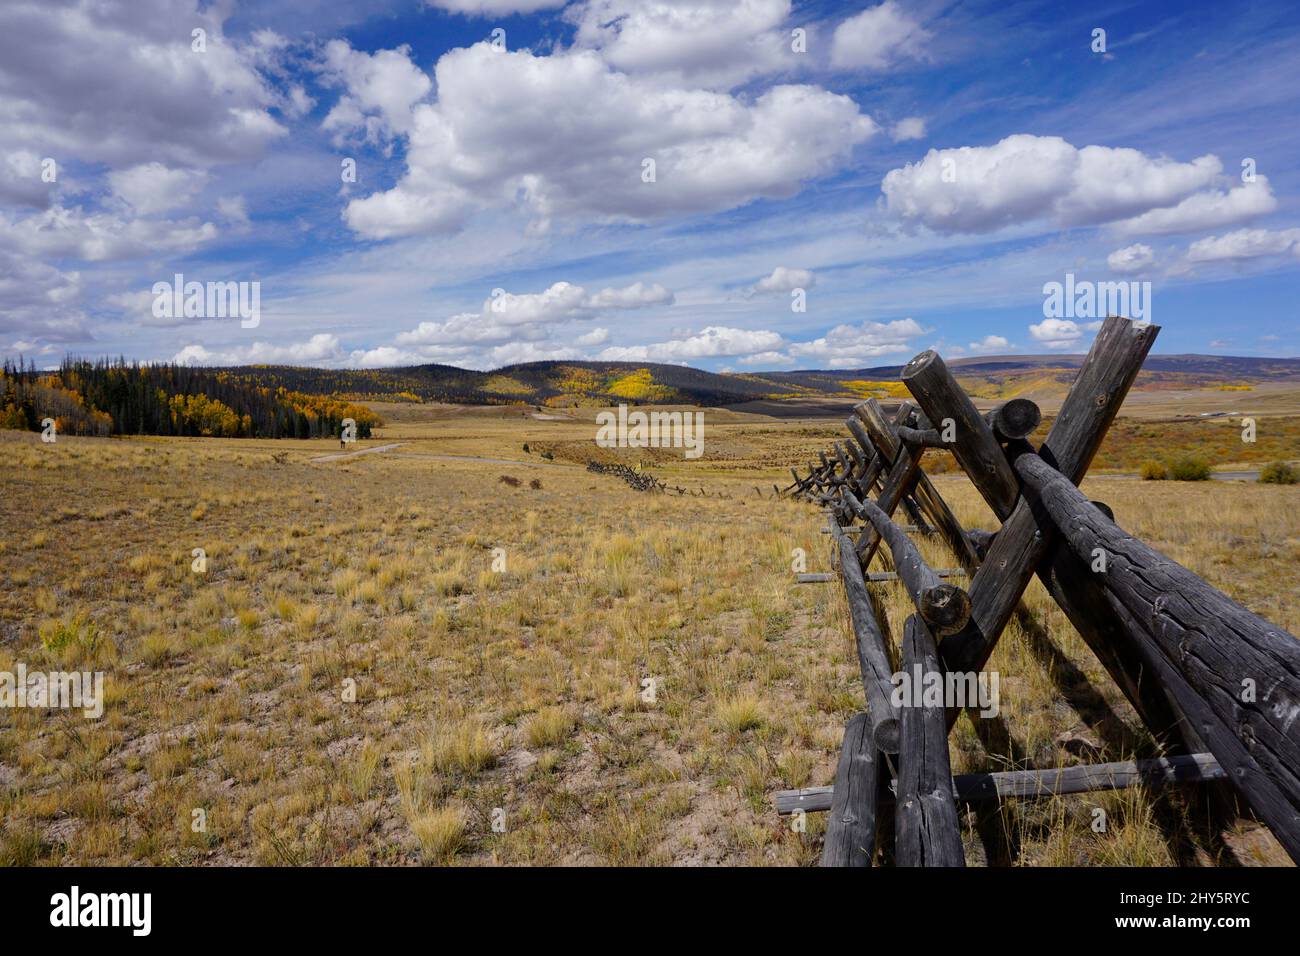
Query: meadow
[(401, 658)]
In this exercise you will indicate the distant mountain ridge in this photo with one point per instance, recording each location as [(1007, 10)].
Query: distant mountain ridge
[(560, 383), (1191, 363)]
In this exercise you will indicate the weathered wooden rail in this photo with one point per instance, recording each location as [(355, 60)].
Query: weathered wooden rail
[(1217, 686)]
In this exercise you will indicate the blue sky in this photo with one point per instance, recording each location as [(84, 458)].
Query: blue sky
[(912, 177)]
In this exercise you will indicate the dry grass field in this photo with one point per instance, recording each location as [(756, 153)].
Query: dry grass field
[(355, 678)]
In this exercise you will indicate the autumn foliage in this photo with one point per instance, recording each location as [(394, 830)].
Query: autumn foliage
[(119, 398)]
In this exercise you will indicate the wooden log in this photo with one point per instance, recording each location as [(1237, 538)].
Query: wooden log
[(975, 448), (855, 453), (1038, 784), (1270, 802), (873, 656), (1092, 778), (845, 465), (927, 830), (814, 477), (927, 495), (1221, 649), (1025, 536), (876, 463), (913, 510), (1079, 594), (856, 429), (903, 467), (1016, 419), (980, 540), (875, 414), (876, 576), (873, 477), (942, 606), (881, 431), (1076, 590), (854, 529), (946, 523), (873, 465), (1070, 585), (929, 438), (902, 474), (851, 830)]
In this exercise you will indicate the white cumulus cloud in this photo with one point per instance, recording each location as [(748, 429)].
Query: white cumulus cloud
[(72, 233), (322, 347), (151, 188), (494, 8), (877, 38), (1024, 178), (847, 346), (989, 345), (532, 316), (913, 127), (785, 279), (1245, 244), (1132, 258), (636, 296), (710, 43), (382, 88), (1207, 210), (1061, 333), (567, 135), (711, 342), (118, 83)]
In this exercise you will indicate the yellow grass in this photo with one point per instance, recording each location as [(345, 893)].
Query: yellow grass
[(351, 681)]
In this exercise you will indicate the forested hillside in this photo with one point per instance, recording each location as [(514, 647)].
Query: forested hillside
[(120, 398), (538, 383), (278, 401)]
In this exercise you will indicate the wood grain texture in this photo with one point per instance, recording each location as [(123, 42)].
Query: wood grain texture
[(876, 669), (944, 607), (1023, 540), (851, 829), (1244, 668), (1038, 784), (927, 831), (975, 448)]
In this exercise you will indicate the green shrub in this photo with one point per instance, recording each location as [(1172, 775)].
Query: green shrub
[(74, 639), (1153, 470), (1189, 468), (1279, 473)]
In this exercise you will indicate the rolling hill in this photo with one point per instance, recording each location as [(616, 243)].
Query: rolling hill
[(537, 383), (561, 384)]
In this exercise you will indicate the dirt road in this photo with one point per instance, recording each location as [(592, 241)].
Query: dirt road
[(364, 451)]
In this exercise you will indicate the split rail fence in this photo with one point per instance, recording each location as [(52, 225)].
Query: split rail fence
[(1217, 686)]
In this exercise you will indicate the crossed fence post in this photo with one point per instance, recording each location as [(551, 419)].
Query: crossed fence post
[(1157, 629)]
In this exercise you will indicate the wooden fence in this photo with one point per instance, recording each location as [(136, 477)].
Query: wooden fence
[(644, 481), (1217, 686)]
